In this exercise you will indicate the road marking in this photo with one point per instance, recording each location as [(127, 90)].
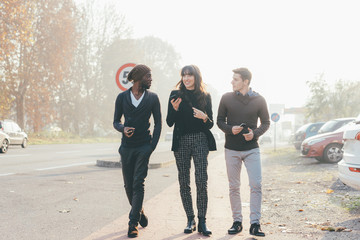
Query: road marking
[(20, 155), (64, 166), (68, 152), (6, 174), (104, 149)]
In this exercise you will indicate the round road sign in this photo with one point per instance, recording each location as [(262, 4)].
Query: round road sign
[(275, 117), (121, 76)]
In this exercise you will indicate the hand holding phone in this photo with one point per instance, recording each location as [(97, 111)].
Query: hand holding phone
[(175, 101), (244, 128), (129, 131)]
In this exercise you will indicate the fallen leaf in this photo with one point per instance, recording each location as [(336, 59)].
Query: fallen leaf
[(330, 229), (301, 210), (329, 191), (339, 229), (64, 211), (75, 199)]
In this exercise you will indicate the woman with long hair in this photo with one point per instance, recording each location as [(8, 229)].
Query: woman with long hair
[(190, 109)]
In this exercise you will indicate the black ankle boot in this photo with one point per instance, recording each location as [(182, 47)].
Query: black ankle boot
[(202, 227), (256, 230), (191, 225)]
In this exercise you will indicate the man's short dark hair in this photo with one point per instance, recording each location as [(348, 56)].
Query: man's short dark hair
[(244, 72)]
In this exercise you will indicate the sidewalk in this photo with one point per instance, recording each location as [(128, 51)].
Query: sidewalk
[(167, 217)]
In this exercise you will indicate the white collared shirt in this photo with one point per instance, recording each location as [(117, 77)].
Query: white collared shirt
[(135, 101)]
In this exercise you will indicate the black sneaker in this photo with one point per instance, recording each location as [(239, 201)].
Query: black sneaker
[(143, 219), (133, 231), (235, 228), (256, 230)]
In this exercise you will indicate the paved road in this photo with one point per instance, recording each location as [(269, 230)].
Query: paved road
[(47, 157), (57, 191)]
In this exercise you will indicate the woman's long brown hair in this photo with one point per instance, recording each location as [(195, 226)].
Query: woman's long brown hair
[(199, 90)]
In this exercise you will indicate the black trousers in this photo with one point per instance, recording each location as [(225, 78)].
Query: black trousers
[(194, 146), (134, 168)]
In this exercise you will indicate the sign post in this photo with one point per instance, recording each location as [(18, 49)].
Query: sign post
[(275, 117), (121, 76)]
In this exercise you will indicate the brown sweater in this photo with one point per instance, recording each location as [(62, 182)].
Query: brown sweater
[(235, 109)]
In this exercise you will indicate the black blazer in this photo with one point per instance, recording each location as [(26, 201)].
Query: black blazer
[(173, 117)]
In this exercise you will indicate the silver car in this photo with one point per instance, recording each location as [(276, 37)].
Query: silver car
[(4, 141), (16, 135)]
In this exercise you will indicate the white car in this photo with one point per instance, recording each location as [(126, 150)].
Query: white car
[(349, 166), (4, 142)]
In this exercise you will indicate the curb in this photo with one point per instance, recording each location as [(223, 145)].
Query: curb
[(117, 164)]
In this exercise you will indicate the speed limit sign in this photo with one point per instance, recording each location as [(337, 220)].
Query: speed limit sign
[(121, 76)]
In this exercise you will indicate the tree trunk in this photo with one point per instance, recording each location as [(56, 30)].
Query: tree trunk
[(20, 103)]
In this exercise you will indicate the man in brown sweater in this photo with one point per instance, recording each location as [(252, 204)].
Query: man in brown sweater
[(238, 116)]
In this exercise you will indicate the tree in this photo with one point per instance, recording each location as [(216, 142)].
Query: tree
[(83, 94), (328, 102), (16, 32), (38, 51)]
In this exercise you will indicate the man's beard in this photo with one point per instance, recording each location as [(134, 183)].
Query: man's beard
[(145, 86)]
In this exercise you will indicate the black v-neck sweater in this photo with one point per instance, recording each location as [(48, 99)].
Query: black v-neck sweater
[(138, 118)]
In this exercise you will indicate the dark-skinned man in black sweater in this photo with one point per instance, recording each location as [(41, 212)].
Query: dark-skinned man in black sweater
[(137, 104)]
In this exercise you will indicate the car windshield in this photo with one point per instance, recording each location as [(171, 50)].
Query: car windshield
[(328, 126), (333, 125), (343, 128), (303, 128)]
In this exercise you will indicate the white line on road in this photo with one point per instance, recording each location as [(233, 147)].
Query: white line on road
[(6, 174), (68, 152), (64, 166), (20, 155)]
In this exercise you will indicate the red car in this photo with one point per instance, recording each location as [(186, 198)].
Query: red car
[(326, 147)]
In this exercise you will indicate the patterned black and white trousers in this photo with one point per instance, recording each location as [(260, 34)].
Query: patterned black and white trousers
[(193, 145)]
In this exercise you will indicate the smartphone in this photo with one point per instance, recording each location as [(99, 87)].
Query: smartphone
[(245, 128), (173, 96)]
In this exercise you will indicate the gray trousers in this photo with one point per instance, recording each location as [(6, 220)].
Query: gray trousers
[(251, 159)]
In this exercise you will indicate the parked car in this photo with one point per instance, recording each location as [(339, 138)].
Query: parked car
[(16, 135), (324, 147), (349, 166), (4, 141), (306, 131), (334, 124)]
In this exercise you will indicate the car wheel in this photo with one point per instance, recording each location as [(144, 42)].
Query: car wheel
[(4, 146), (24, 143), (333, 153)]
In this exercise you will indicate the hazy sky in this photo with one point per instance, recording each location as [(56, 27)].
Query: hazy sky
[(284, 43)]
